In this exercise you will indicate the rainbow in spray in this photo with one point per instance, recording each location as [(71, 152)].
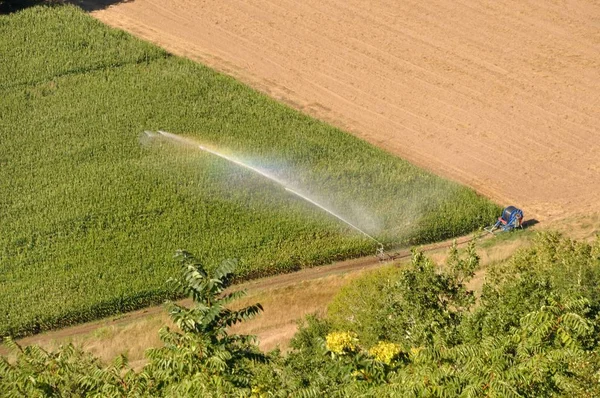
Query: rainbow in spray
[(187, 141)]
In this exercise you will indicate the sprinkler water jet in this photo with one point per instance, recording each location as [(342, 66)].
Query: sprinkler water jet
[(187, 141)]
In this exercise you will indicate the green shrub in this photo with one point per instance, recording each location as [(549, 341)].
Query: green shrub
[(365, 304), (551, 349), (410, 306), (553, 265)]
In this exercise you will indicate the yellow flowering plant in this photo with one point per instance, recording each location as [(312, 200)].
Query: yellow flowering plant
[(341, 343), (385, 352)]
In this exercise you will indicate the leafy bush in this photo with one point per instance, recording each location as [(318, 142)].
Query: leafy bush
[(534, 332), (551, 349), (364, 305), (410, 306), (203, 359), (553, 265)]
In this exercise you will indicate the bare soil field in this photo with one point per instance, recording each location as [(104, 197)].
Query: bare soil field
[(500, 95)]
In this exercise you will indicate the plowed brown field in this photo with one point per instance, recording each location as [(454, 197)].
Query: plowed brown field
[(503, 96)]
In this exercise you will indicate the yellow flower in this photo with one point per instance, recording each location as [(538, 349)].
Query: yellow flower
[(385, 352), (342, 342)]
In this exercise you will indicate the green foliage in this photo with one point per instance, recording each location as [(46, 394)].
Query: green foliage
[(553, 265), (541, 357), (410, 306), (89, 214), (550, 350), (363, 305), (42, 44), (200, 360), (68, 372), (204, 356), (547, 345), (311, 333), (302, 368)]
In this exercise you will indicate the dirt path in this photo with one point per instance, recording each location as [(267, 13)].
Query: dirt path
[(503, 96)]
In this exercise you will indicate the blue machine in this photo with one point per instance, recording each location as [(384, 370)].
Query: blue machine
[(510, 219)]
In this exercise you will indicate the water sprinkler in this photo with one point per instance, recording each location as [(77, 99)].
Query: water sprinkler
[(174, 137), (333, 214)]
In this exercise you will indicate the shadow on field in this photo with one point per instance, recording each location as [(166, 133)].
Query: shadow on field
[(95, 5), (10, 6), (530, 223)]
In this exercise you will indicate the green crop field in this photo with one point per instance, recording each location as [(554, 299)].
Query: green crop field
[(91, 213)]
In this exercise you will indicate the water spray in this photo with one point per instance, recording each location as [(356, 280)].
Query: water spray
[(309, 200), (186, 141)]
